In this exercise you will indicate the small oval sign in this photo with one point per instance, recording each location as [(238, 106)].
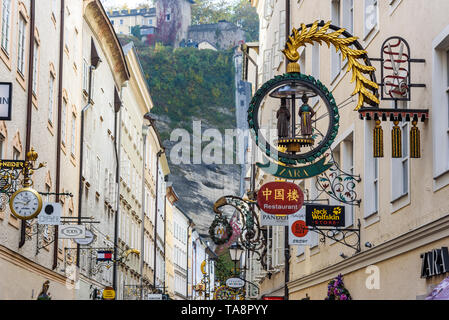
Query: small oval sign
[(235, 282), (281, 198), (89, 237)]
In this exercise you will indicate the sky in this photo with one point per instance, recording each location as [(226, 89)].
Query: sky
[(130, 3)]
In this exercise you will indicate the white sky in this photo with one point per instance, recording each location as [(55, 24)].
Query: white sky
[(131, 3)]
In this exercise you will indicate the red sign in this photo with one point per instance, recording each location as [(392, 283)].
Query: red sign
[(299, 228), (272, 298), (280, 198)]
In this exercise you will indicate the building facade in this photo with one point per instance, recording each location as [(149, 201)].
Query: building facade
[(403, 208)]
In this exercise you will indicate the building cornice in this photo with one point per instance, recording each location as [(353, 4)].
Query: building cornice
[(98, 20), (25, 263), (421, 236)]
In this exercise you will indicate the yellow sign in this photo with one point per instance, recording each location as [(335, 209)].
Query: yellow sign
[(108, 293)]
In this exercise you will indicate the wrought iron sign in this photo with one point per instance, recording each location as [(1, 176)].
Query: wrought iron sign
[(251, 236), (301, 149), (339, 185), (396, 82), (349, 237)]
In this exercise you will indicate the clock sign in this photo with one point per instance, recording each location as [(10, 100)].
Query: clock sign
[(26, 203)]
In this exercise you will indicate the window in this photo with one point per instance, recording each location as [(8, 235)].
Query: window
[(85, 76), (6, 24), (371, 173), (15, 154), (267, 65), (150, 22), (51, 97), (440, 106), (348, 15), (168, 17), (371, 16), (21, 46), (400, 166), (268, 10), (335, 56), (35, 66), (315, 67), (121, 21), (53, 7), (282, 33), (64, 122), (73, 137)]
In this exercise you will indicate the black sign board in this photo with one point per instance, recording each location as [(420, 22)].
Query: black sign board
[(5, 100), (434, 262), (325, 216)]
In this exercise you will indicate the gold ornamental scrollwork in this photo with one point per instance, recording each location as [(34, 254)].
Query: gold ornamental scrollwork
[(364, 87)]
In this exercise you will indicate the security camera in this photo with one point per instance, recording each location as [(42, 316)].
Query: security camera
[(369, 245)]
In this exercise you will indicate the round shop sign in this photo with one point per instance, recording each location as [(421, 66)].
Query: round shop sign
[(235, 282), (87, 240), (281, 198), (299, 228), (108, 293)]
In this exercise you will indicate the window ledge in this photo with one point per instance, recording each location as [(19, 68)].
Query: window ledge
[(371, 219)]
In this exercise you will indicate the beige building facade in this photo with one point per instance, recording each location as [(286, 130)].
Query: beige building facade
[(404, 201)]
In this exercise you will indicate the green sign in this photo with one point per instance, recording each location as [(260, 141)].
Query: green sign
[(295, 173)]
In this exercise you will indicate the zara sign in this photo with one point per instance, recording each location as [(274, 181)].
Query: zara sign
[(434, 262), (5, 100)]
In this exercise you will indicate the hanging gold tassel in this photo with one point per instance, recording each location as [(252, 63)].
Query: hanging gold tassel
[(378, 144), (415, 141), (396, 141)]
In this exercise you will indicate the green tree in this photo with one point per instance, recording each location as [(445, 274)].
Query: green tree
[(224, 267)]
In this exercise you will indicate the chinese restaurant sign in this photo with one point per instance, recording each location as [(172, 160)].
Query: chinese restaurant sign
[(325, 216), (298, 233), (280, 198)]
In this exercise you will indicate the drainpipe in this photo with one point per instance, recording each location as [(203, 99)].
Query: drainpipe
[(286, 230), (155, 218), (118, 141), (142, 228), (29, 101), (187, 260), (81, 185)]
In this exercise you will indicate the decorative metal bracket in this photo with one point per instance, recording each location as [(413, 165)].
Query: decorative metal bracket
[(340, 235), (251, 235), (339, 184)]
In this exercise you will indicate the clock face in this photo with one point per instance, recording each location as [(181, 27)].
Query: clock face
[(26, 204)]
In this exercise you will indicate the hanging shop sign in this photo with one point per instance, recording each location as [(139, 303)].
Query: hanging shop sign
[(104, 255), (154, 296), (325, 216), (5, 100), (273, 219), (235, 282), (12, 164), (434, 262), (88, 239), (108, 293), (298, 232), (280, 198), (51, 214), (72, 231)]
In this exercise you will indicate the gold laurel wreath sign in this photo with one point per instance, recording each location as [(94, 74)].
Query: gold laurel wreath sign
[(364, 87)]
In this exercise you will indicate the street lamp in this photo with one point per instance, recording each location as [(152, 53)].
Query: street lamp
[(235, 251)]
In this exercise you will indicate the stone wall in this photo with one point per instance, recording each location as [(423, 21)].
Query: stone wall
[(223, 35)]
